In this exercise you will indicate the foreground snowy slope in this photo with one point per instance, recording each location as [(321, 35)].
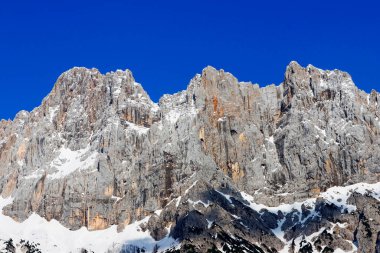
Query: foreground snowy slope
[(53, 237)]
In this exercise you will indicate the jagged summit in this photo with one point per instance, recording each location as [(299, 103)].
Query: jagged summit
[(99, 152), (81, 78)]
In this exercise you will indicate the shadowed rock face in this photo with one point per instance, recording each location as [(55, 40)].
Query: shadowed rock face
[(99, 152)]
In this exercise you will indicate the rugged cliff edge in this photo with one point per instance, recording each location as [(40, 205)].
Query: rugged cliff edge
[(211, 167)]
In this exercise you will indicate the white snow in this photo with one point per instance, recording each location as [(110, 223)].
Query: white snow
[(283, 194), (115, 198), (209, 223), (20, 163), (69, 161), (53, 112), (228, 197), (337, 195), (348, 86), (178, 201), (222, 119), (194, 203), (155, 107), (278, 232), (330, 72), (117, 87), (179, 108), (173, 116), (309, 238), (284, 208), (53, 237), (322, 131), (139, 129), (323, 84), (191, 186), (35, 174)]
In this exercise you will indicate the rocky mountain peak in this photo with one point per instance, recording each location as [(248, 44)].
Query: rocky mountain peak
[(311, 84), (314, 78), (99, 152)]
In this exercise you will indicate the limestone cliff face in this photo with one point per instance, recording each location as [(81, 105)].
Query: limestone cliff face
[(99, 152)]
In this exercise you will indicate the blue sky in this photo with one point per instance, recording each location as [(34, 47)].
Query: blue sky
[(165, 43)]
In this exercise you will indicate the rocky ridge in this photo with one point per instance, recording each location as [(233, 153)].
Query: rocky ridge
[(99, 152)]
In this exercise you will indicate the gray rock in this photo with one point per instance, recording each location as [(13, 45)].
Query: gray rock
[(99, 152)]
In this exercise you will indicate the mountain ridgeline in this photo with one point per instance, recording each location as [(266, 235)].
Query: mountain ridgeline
[(223, 166)]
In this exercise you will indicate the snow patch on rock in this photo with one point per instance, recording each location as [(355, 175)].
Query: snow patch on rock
[(69, 161)]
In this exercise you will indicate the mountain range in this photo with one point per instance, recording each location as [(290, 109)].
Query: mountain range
[(223, 166)]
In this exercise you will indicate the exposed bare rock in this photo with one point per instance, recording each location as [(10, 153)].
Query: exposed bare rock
[(100, 152)]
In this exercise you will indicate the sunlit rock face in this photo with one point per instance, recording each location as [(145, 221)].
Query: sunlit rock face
[(99, 152)]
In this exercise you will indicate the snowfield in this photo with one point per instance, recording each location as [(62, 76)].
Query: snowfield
[(337, 195), (53, 237)]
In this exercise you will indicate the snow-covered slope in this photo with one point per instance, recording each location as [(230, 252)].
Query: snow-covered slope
[(51, 236)]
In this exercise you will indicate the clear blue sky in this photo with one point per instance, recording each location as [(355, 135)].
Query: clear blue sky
[(165, 43)]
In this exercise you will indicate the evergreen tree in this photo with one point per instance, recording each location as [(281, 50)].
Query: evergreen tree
[(9, 247)]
